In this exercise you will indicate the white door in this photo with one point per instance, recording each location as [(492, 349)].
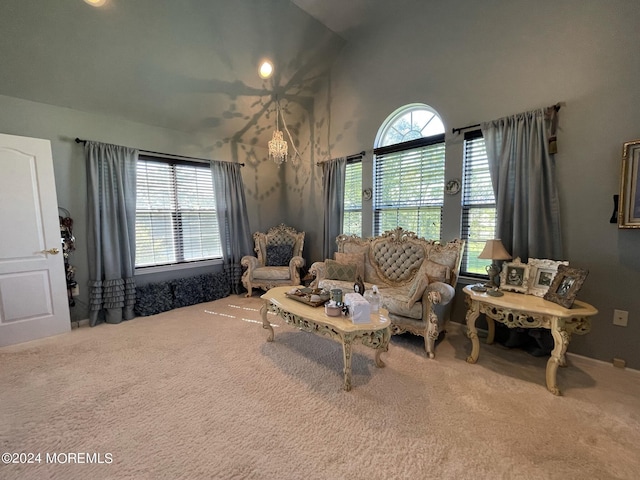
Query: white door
[(33, 290)]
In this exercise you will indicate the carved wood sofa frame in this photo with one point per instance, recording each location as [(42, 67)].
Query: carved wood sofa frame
[(392, 261), (258, 274)]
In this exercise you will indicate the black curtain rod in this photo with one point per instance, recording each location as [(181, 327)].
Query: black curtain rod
[(350, 157), (79, 140), (458, 130)]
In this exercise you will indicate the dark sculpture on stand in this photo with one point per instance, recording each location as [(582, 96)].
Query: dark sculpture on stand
[(68, 246)]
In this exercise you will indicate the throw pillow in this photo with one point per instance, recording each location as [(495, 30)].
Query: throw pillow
[(279, 255), (356, 259), (419, 285), (340, 271), (443, 256), (436, 271)]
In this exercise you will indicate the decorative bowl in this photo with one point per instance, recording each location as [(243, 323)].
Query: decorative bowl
[(332, 310)]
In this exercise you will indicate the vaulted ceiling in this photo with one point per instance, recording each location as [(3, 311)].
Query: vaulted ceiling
[(349, 18), (188, 66)]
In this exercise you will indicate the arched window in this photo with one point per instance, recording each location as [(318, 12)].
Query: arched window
[(409, 123), (409, 172)]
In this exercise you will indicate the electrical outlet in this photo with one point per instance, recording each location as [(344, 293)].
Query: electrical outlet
[(75, 291), (620, 317), (619, 362)]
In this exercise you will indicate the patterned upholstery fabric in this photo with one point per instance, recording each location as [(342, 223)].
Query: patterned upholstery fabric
[(341, 271), (356, 259), (271, 273), (278, 259), (396, 300), (413, 276), (436, 272), (398, 262), (418, 286), (278, 255)]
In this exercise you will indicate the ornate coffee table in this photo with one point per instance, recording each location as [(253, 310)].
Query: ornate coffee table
[(375, 334)]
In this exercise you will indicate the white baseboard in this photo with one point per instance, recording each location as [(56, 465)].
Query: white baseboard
[(79, 323), (459, 328)]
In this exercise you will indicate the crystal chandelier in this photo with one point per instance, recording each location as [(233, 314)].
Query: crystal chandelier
[(278, 147)]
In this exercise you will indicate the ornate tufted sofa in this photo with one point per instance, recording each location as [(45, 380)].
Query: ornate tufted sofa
[(278, 261), (413, 275)]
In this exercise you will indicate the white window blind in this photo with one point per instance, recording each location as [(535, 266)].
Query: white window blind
[(409, 186), (478, 204), (176, 218), (352, 219)]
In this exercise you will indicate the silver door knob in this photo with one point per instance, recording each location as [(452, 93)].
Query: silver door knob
[(52, 251)]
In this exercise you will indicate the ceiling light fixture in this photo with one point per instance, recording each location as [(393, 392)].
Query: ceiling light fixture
[(96, 3), (266, 69), (278, 147)]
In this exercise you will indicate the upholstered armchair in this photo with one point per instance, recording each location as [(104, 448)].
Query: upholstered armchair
[(278, 261)]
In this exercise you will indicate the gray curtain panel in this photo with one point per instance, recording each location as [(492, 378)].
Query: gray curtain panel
[(111, 231), (524, 183), (232, 218), (333, 199)]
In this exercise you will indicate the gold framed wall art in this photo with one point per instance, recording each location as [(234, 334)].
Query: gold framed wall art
[(629, 202)]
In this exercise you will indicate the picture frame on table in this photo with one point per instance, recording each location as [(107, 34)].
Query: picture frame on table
[(566, 285), (514, 276), (541, 275), (629, 200)]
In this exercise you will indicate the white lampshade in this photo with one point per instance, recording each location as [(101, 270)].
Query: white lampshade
[(494, 250)]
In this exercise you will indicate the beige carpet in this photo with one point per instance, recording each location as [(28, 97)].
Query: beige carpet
[(198, 393)]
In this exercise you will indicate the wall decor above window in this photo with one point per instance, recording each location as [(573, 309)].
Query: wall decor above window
[(452, 187)]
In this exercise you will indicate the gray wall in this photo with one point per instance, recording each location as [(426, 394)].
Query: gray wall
[(62, 125), (471, 61), (479, 61)]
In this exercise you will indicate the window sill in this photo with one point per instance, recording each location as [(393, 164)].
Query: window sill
[(177, 266), (468, 280)]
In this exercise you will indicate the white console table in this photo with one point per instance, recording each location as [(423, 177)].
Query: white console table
[(528, 311)]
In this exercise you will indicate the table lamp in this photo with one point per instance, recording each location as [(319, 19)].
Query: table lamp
[(494, 250)]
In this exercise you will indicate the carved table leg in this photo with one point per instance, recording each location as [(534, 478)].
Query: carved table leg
[(431, 334), (491, 330), (379, 362), (265, 321), (383, 347), (561, 342), (472, 332), (346, 353)]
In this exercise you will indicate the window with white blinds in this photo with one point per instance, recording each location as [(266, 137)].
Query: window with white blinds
[(352, 219), (478, 204), (409, 186), (176, 218)]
